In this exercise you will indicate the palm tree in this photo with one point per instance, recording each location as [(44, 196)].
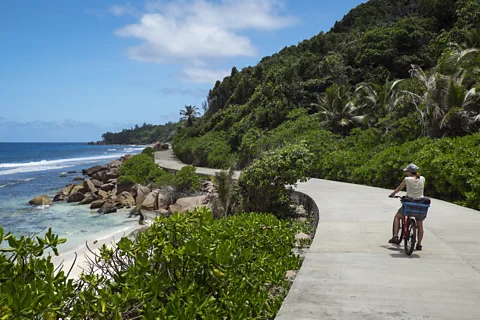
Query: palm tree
[(471, 39), (380, 100), (338, 110), (190, 114), (444, 104)]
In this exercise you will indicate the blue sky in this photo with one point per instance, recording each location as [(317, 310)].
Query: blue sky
[(72, 70)]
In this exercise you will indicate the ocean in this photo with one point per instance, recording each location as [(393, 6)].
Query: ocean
[(31, 169)]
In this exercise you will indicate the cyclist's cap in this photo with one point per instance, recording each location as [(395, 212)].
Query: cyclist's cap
[(412, 168)]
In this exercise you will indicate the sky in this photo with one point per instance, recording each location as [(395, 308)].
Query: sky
[(72, 70)]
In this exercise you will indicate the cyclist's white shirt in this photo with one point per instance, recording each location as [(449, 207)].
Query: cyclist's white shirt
[(415, 187)]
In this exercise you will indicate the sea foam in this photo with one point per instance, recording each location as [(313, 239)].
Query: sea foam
[(44, 165)]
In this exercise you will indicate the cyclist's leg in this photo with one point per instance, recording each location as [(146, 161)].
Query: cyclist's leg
[(396, 223), (420, 232)]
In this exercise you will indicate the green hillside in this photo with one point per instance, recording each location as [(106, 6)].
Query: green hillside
[(338, 91)]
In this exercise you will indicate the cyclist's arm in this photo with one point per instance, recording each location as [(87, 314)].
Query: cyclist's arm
[(399, 188)]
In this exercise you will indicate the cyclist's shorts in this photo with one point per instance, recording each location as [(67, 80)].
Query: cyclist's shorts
[(418, 217)]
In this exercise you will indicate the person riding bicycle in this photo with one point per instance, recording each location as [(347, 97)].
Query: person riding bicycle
[(415, 184)]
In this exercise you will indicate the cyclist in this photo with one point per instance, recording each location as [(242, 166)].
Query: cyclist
[(415, 184)]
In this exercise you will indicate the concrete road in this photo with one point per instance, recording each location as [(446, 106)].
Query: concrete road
[(351, 272)]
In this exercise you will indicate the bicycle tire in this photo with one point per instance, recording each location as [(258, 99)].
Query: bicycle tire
[(411, 237)]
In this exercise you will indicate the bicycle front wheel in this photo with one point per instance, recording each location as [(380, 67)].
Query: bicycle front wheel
[(411, 237)]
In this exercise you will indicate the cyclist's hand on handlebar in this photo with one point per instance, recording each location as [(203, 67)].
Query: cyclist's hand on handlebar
[(391, 195)]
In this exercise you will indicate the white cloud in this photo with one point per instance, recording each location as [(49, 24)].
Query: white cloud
[(167, 40), (195, 33), (123, 10), (200, 75)]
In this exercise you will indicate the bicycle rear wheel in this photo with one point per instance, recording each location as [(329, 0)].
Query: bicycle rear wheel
[(411, 237)]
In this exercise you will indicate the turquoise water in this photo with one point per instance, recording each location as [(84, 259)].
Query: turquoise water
[(31, 169)]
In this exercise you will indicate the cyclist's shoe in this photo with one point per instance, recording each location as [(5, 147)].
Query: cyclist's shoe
[(419, 247), (394, 240)]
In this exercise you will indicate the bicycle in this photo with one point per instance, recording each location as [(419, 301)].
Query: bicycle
[(408, 225)]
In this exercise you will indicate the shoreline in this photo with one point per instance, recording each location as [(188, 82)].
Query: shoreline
[(95, 241)]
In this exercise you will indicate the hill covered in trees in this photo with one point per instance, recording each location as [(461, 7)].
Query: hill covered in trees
[(393, 80), (147, 133)]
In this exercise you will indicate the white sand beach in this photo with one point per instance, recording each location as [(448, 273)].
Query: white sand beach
[(78, 257)]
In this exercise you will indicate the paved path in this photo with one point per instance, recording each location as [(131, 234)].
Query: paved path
[(350, 271)]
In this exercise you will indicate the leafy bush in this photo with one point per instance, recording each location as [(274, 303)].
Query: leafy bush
[(148, 151), (125, 181), (165, 146), (266, 185), (186, 266), (141, 168), (30, 287), (187, 179), (210, 150)]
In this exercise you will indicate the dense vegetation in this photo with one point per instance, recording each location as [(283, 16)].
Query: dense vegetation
[(145, 134), (186, 266), (141, 169), (393, 82)]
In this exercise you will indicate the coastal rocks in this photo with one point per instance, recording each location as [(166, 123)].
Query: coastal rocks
[(107, 187), (111, 174), (114, 164), (75, 197), (126, 199), (102, 194), (91, 171), (59, 197), (107, 209), (97, 204), (67, 190), (41, 200), (78, 188), (78, 179), (87, 184), (100, 176), (96, 183), (149, 203), (190, 203), (87, 200), (140, 192), (154, 201)]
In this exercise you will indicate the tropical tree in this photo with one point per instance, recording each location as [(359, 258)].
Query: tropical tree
[(338, 110), (190, 114), (445, 101), (379, 100)]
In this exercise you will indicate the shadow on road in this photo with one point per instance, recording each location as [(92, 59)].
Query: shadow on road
[(403, 255), (400, 253)]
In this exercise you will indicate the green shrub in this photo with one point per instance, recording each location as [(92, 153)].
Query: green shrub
[(30, 288), (191, 266), (186, 266), (125, 180), (148, 151), (141, 168), (165, 146), (209, 150), (187, 179), (266, 185)]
